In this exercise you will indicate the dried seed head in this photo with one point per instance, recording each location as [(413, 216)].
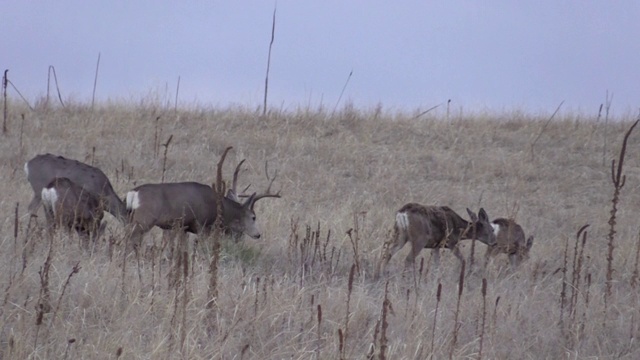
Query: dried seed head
[(461, 282)]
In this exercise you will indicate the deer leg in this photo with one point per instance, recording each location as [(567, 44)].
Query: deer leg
[(384, 260), (416, 247), (180, 251), (50, 223), (34, 205), (392, 247), (458, 254), (99, 231), (87, 230), (514, 260), (487, 257), (48, 215), (436, 257), (392, 250), (166, 246), (96, 232), (136, 233), (85, 237), (388, 252)]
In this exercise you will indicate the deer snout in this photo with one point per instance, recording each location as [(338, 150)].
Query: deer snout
[(251, 228), (254, 235), (252, 231), (493, 240)]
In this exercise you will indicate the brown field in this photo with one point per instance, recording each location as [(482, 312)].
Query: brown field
[(343, 176)]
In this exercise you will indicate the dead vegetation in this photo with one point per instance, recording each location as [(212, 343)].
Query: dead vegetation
[(305, 289)]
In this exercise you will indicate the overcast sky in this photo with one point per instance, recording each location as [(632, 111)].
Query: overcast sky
[(498, 55)]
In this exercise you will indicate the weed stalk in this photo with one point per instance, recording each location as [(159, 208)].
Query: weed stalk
[(164, 159), (618, 180), (386, 310), (435, 319), (319, 331), (4, 96), (456, 325), (266, 78)]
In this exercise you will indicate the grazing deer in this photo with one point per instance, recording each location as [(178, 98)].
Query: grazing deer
[(42, 169), (193, 207), (510, 240), (69, 205), (434, 227)]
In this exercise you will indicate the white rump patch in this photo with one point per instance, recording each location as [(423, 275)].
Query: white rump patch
[(496, 228), (133, 200), (49, 198), (26, 169), (402, 220)]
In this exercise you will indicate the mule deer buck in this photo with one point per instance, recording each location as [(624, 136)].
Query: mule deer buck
[(434, 227), (510, 240), (193, 207), (69, 205), (42, 169)]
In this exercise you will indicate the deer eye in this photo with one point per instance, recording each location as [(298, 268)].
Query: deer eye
[(253, 218)]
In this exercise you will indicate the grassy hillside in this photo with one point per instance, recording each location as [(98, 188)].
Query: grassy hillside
[(342, 176)]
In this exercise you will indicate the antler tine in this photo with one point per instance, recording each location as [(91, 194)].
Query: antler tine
[(219, 185), (262, 196), (266, 173), (271, 180), (233, 192), (235, 174)]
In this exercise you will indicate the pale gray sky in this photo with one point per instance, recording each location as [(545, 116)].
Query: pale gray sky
[(498, 55)]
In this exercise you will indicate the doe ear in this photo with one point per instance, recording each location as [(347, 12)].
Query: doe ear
[(483, 215), (250, 201), (529, 242), (472, 215)]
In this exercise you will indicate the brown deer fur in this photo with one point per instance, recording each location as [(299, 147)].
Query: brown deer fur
[(69, 205), (510, 240), (434, 227)]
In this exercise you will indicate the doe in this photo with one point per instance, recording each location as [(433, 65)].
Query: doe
[(68, 205), (510, 240), (44, 168), (434, 227)]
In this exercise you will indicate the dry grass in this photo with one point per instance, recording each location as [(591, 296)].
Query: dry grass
[(286, 295)]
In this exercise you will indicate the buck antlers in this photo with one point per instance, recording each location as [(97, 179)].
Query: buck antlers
[(195, 207), (232, 193)]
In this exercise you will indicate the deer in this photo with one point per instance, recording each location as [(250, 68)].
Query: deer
[(69, 205), (194, 207), (434, 227), (44, 168), (510, 240)]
